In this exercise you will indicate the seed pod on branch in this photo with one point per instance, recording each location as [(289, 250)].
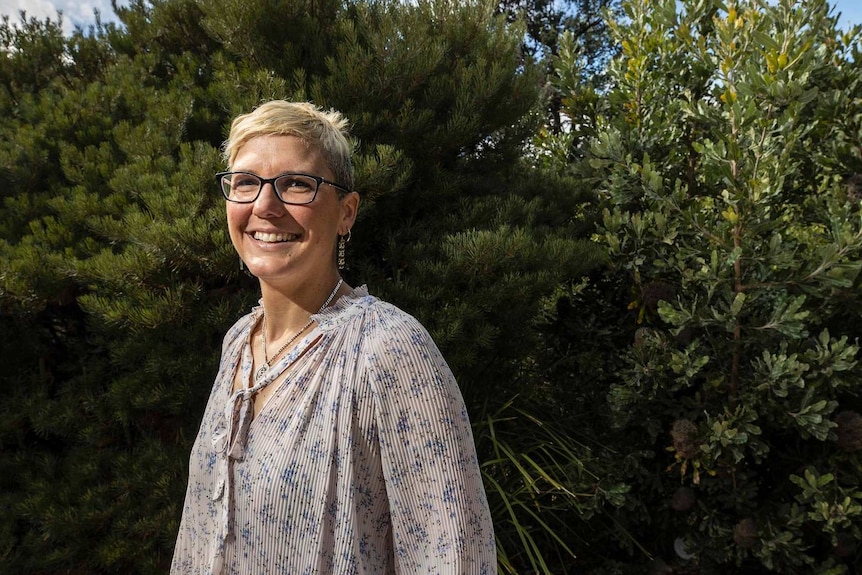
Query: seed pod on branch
[(683, 499), (849, 430), (684, 435), (745, 533)]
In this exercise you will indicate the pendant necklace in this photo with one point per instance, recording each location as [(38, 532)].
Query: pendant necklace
[(268, 362)]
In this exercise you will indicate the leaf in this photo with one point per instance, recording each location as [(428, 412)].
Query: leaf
[(737, 304), (673, 315)]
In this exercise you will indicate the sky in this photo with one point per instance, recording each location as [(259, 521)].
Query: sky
[(80, 12)]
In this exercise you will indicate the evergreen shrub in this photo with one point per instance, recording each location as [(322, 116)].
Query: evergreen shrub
[(726, 392)]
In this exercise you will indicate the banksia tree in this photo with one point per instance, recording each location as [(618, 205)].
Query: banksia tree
[(725, 155)]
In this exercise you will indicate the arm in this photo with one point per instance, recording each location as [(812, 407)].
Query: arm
[(439, 512)]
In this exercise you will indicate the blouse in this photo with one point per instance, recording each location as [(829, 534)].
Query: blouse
[(362, 460)]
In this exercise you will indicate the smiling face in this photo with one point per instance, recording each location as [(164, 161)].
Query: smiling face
[(285, 245)]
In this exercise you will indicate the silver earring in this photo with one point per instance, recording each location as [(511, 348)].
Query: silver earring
[(342, 243), (244, 269)]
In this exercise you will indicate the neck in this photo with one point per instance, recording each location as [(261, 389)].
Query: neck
[(288, 310)]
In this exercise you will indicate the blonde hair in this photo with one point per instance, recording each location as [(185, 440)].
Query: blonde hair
[(327, 130)]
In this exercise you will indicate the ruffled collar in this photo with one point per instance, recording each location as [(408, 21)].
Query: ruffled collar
[(336, 313)]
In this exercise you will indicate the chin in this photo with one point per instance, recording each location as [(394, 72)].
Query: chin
[(268, 273)]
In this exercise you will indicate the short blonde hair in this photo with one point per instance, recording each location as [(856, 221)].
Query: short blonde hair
[(327, 130)]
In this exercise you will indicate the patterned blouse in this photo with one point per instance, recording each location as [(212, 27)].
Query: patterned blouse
[(362, 460)]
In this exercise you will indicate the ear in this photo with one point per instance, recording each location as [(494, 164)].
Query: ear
[(349, 209)]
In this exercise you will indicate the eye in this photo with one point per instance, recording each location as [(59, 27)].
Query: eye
[(295, 184), (245, 182)]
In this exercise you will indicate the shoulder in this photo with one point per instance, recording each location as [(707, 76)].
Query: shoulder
[(399, 353), (377, 329), (387, 328), (240, 328), (387, 322), (374, 320)]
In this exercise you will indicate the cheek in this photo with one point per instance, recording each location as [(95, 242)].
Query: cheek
[(235, 220), (318, 224), (234, 212)]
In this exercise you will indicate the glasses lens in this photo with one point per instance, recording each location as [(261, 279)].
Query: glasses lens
[(296, 188), (240, 187)]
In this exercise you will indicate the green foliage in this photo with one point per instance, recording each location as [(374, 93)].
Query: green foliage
[(723, 156), (663, 377), (534, 489), (110, 246)]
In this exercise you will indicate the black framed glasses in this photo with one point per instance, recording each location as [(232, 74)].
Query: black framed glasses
[(294, 189)]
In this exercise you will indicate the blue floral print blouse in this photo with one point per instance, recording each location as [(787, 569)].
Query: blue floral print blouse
[(361, 461)]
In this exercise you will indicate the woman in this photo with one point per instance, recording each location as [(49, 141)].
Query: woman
[(335, 439)]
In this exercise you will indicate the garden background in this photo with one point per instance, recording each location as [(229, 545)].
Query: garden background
[(633, 229)]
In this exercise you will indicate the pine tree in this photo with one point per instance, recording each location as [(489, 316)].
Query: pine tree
[(454, 227), (119, 276), (103, 232)]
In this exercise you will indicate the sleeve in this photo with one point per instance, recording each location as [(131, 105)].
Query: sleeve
[(441, 523)]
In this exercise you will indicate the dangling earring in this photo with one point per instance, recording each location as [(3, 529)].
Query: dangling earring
[(242, 268), (342, 242)]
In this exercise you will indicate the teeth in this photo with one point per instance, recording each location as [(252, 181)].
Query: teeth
[(272, 238)]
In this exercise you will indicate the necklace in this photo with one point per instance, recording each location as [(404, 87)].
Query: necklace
[(268, 362)]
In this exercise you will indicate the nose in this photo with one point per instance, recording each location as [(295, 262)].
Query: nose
[(267, 202)]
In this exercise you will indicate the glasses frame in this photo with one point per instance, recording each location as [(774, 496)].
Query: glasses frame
[(263, 181)]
